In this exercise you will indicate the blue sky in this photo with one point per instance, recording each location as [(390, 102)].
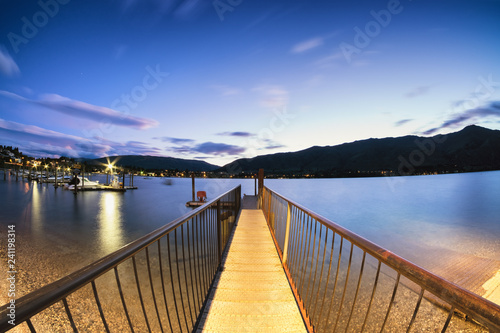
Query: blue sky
[(224, 79)]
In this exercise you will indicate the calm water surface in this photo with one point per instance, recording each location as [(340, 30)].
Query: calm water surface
[(98, 221), (58, 232), (459, 212)]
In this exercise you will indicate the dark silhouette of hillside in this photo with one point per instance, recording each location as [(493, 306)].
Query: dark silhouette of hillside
[(157, 163), (473, 148)]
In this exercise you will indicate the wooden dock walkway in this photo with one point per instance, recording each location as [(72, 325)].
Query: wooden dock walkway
[(252, 293)]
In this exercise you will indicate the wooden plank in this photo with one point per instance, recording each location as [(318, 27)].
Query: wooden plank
[(252, 293)]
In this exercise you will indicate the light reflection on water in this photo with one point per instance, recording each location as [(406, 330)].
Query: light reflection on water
[(110, 222), (36, 211)]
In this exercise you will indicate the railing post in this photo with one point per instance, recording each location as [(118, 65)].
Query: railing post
[(219, 232), (239, 200), (192, 187), (269, 208), (261, 181), (255, 186), (287, 233)]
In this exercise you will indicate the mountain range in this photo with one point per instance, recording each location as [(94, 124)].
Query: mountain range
[(156, 163), (473, 148)]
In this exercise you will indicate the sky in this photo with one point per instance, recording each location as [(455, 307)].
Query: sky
[(226, 79)]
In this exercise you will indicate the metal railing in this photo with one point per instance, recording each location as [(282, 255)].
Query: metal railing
[(343, 282), (158, 283)]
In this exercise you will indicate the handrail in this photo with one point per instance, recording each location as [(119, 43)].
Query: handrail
[(294, 220), (205, 225)]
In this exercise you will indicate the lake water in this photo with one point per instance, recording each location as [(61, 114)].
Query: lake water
[(58, 232), (459, 212)]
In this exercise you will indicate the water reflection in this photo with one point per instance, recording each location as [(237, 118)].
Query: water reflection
[(36, 211), (26, 187), (110, 222)]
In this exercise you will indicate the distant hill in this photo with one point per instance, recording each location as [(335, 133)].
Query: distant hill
[(157, 163), (472, 149)]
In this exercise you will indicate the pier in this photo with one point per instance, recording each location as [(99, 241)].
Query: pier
[(251, 291), (252, 264)]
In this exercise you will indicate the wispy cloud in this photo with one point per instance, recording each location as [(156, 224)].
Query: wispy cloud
[(210, 148), (182, 149), (190, 147), (81, 109), (418, 91), (275, 146), (8, 66), (273, 96), (252, 139), (213, 148), (38, 141), (36, 149), (466, 117), (307, 45), (271, 144), (330, 60), (133, 148), (237, 134), (402, 122), (55, 142), (176, 141)]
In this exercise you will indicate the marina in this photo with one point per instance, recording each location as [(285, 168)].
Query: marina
[(63, 180)]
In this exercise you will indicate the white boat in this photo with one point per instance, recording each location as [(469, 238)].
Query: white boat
[(60, 179), (82, 183)]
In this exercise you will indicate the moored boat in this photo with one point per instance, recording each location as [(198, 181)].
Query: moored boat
[(81, 182)]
